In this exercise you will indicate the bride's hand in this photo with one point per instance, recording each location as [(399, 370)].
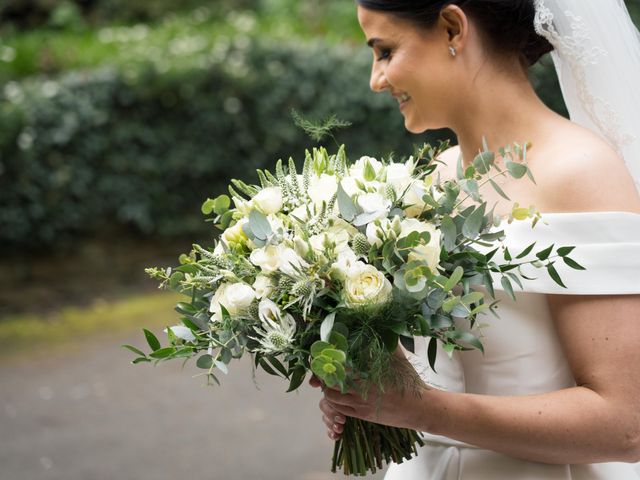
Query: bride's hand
[(396, 408), (331, 417)]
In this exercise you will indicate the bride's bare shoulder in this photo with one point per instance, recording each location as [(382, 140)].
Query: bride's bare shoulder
[(580, 171), (449, 162)]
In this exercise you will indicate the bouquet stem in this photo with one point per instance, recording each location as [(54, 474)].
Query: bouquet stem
[(364, 446)]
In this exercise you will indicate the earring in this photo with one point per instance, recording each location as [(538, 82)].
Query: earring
[(452, 50)]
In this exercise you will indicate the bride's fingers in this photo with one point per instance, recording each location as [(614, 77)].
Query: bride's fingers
[(315, 382), (331, 413)]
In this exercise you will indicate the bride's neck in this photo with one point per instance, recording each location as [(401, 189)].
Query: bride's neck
[(503, 111)]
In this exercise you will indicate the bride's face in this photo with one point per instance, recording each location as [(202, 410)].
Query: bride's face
[(414, 65)]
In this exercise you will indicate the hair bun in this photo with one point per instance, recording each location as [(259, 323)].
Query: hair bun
[(536, 47)]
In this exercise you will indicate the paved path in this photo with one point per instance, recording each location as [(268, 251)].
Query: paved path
[(88, 414)]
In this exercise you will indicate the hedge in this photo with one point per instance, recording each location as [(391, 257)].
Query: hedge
[(140, 147)]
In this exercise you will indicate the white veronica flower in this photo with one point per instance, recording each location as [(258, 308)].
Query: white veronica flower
[(277, 331)]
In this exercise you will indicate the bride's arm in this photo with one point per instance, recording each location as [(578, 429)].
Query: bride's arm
[(597, 421)]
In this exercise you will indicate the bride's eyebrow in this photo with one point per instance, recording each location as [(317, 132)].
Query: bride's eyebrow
[(373, 41)]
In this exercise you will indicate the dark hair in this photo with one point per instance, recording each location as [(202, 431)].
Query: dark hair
[(506, 24)]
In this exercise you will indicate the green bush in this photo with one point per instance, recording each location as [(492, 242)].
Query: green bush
[(142, 147)]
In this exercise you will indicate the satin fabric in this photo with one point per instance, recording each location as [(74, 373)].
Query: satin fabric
[(523, 355)]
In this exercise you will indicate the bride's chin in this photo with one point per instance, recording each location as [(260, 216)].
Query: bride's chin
[(414, 127)]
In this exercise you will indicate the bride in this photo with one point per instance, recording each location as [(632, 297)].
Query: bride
[(557, 393)]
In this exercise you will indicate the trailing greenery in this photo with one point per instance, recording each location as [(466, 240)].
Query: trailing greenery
[(140, 146)]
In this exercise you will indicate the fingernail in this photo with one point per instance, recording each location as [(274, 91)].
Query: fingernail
[(339, 419)]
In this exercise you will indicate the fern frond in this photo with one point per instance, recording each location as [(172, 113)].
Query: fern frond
[(319, 130)]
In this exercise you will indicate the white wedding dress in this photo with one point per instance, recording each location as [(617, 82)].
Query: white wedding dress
[(523, 355)]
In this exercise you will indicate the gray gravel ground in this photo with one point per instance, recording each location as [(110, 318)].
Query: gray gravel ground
[(88, 414)]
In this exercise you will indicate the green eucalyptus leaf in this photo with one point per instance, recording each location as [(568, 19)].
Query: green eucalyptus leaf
[(141, 360), (134, 350), (221, 204), (473, 223), (153, 342), (432, 352), (498, 189), (163, 353), (564, 251), (259, 225), (297, 378), (207, 206), (506, 284), (553, 273), (346, 205), (572, 263), (473, 297), (450, 304), (455, 278), (484, 162), (449, 232), (544, 254), (205, 362), (526, 251), (517, 170)]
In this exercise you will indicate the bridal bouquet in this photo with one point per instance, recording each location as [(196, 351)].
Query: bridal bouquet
[(327, 270)]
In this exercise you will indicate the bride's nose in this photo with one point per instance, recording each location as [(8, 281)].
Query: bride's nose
[(378, 81)]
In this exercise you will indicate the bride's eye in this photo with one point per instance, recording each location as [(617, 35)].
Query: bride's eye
[(384, 55)]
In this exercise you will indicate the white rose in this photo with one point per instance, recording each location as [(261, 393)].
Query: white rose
[(235, 297), (346, 263), (235, 234), (263, 286), (399, 176), (374, 206), (322, 188), (366, 286), (269, 200), (267, 258), (429, 253)]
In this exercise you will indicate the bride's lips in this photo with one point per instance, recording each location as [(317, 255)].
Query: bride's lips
[(403, 99)]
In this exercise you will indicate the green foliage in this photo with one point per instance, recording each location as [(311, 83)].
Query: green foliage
[(141, 147)]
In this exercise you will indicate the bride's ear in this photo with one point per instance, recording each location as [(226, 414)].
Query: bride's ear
[(455, 24)]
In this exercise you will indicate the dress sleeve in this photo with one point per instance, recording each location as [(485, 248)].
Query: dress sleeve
[(607, 244)]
